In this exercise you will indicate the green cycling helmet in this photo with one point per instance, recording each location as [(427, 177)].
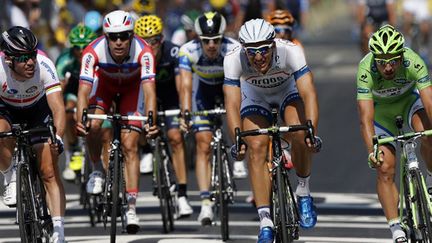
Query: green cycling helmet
[(81, 36), (386, 40)]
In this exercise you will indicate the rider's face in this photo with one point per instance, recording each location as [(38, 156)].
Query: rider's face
[(388, 64), (211, 46), (119, 44), (25, 65), (260, 55)]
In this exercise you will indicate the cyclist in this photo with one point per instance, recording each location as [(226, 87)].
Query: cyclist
[(168, 83), (392, 80), (117, 64), (187, 32), (201, 70), (31, 92), (68, 67), (371, 14), (263, 73), (283, 23)]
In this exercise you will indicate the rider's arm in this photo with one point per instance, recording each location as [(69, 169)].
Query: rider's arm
[(148, 68), (308, 94), (185, 66), (87, 77), (366, 113), (423, 82), (426, 98), (55, 102)]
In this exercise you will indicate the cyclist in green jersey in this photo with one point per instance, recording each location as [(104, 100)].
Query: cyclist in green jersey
[(68, 65), (392, 80)]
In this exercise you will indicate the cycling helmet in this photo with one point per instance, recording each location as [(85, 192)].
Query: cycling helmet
[(118, 21), (386, 40), (18, 41), (218, 4), (210, 24), (93, 20), (188, 19), (144, 6), (281, 17), (256, 30), (81, 36), (148, 26)]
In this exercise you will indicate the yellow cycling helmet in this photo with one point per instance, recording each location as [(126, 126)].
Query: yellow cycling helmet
[(144, 6), (148, 26)]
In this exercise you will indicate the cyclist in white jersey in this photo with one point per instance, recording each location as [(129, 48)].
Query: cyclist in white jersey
[(30, 93), (201, 70), (265, 73)]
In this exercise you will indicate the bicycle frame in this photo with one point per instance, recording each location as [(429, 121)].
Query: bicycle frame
[(415, 208)]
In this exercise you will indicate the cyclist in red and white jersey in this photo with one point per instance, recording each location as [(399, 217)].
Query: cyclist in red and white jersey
[(30, 93), (117, 64)]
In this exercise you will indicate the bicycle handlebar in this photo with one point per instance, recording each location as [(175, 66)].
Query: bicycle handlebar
[(112, 117), (378, 140), (18, 131)]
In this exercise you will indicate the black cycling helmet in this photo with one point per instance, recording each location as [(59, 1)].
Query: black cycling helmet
[(210, 24), (18, 41)]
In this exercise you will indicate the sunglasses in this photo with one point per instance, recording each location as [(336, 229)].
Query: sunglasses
[(26, 57), (392, 61), (154, 40), (216, 39), (123, 36), (263, 50), (282, 30)]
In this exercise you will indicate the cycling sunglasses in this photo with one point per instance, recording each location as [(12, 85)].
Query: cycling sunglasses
[(123, 36), (216, 39), (154, 40), (263, 50), (392, 61), (282, 30), (26, 57)]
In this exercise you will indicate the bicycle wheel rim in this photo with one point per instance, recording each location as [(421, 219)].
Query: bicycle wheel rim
[(223, 204), (25, 205), (422, 206), (115, 195), (159, 172), (281, 221)]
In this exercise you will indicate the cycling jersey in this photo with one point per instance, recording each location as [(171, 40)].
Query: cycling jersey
[(208, 76), (114, 79), (376, 11), (26, 93), (277, 87), (69, 66), (166, 89), (398, 96)]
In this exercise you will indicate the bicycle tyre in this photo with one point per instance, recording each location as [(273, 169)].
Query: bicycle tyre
[(26, 205), (115, 195), (424, 213), (293, 216), (162, 189), (279, 210), (408, 219), (44, 221), (222, 194)]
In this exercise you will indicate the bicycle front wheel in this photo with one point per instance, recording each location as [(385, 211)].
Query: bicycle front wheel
[(26, 207), (222, 193), (423, 206), (115, 194)]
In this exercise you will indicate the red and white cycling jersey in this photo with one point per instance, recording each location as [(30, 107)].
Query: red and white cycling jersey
[(113, 78), (26, 93)]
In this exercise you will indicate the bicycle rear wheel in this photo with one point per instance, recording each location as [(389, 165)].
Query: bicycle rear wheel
[(424, 214), (222, 193), (163, 192), (115, 194), (27, 215)]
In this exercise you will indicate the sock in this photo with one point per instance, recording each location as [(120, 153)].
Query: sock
[(396, 229), (58, 224), (205, 195), (181, 191), (264, 216), (132, 195), (98, 166), (9, 174), (302, 186)]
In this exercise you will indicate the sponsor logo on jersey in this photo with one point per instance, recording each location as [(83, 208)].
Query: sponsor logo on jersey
[(267, 82), (363, 78), (401, 81), (147, 65), (418, 67), (424, 79), (31, 89), (406, 63), (363, 90), (87, 64), (390, 91), (49, 70), (4, 87), (12, 91)]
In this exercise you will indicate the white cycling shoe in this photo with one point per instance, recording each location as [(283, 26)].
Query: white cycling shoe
[(206, 215), (146, 163), (184, 208), (95, 183), (132, 222)]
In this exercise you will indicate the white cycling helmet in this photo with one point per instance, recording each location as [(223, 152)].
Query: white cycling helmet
[(118, 21), (256, 30)]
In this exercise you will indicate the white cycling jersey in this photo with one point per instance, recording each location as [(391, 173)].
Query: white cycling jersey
[(26, 93), (277, 87)]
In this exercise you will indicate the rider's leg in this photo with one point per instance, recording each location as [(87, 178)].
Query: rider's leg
[(6, 167), (258, 169), (203, 174), (55, 195), (71, 141)]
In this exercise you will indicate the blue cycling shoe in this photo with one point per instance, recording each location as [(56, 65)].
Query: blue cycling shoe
[(308, 216), (265, 235)]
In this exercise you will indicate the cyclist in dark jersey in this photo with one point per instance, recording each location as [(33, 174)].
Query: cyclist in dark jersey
[(150, 28), (68, 66), (371, 14)]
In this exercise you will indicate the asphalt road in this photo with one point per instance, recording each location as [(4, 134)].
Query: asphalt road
[(341, 182)]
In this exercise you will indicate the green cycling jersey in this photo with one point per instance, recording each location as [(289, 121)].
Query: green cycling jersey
[(413, 74)]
